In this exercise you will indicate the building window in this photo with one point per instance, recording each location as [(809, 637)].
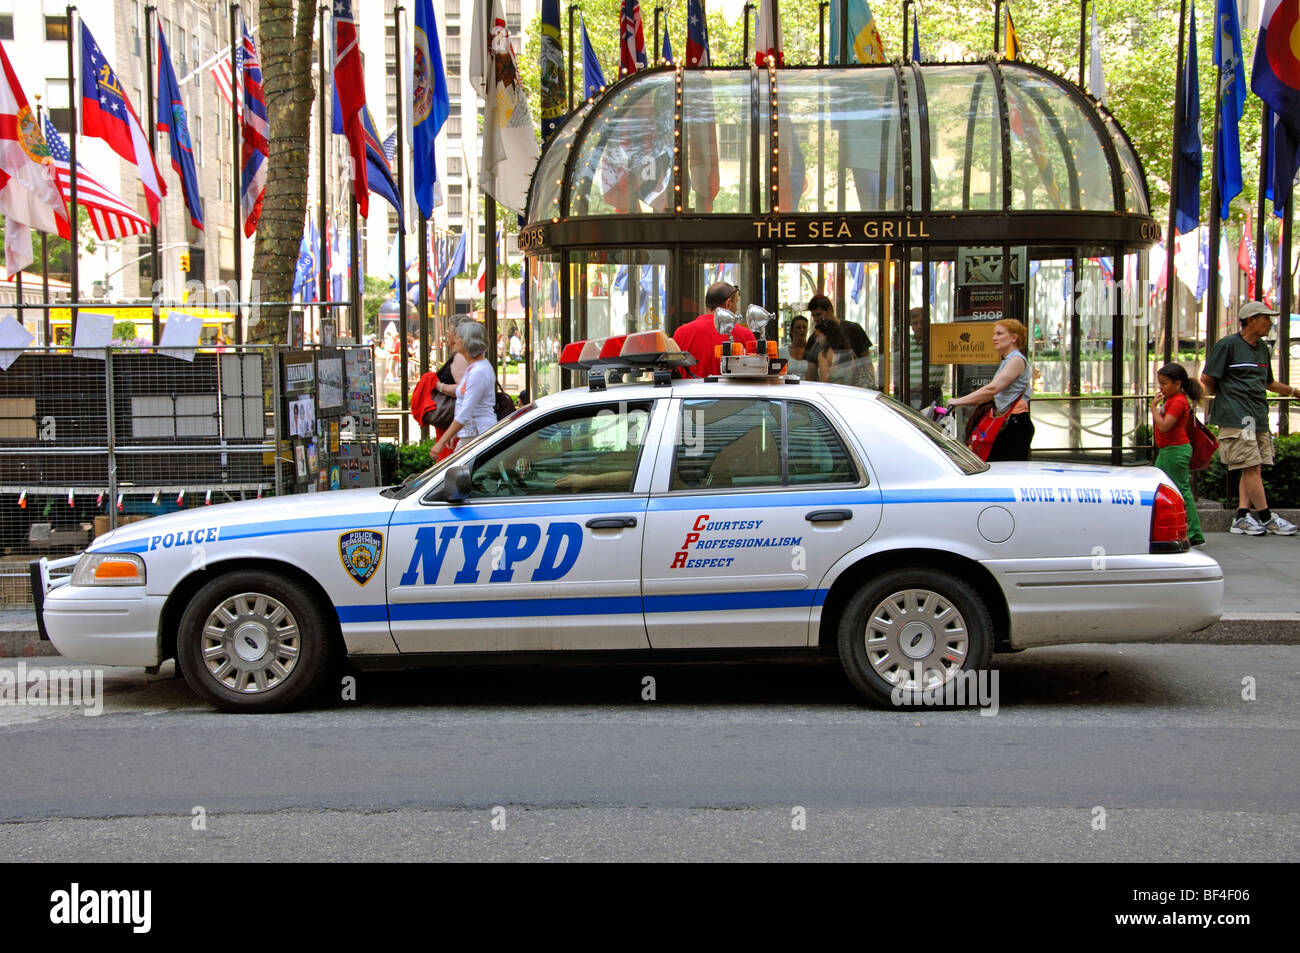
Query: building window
[(731, 142), (62, 119), (453, 84), (455, 200), (453, 125), (454, 165), (56, 28), (196, 139), (6, 26), (451, 9)]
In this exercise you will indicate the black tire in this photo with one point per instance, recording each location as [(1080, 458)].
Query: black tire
[(949, 631), (249, 642)]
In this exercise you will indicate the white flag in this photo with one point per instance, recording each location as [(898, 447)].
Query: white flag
[(1096, 81), (510, 150), (18, 246)]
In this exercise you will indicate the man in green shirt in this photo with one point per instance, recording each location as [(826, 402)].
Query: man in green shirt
[(1238, 373)]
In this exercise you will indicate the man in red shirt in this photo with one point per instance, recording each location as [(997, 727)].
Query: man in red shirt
[(701, 336)]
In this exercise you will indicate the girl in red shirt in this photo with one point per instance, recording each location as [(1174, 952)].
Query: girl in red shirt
[(1169, 414)]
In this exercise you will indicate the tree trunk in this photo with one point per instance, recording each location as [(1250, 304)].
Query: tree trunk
[(286, 32)]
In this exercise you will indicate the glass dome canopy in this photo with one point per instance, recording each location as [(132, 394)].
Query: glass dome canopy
[(898, 139)]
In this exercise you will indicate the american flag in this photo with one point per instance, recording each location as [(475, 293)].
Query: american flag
[(220, 71), (697, 35), (111, 217), (256, 130), (390, 146)]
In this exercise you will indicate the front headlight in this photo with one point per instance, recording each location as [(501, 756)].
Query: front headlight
[(109, 569)]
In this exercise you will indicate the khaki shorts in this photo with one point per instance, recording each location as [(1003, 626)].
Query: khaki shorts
[(1238, 451)]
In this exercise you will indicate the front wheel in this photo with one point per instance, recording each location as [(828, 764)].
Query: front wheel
[(908, 635), (252, 643)]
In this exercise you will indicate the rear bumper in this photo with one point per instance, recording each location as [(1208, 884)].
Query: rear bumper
[(1109, 599)]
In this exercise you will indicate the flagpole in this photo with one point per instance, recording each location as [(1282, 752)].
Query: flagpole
[(1266, 143), (320, 121), (572, 9), (654, 59), (241, 291), (354, 270), (748, 7), (844, 43), (73, 292), (1284, 318), (1259, 245), (45, 254), (997, 25), (823, 13), (907, 54), (489, 238), (150, 21), (400, 277), (1179, 104), (423, 315), (1216, 227), (1083, 33)]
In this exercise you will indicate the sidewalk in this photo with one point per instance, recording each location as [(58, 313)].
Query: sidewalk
[(1261, 599)]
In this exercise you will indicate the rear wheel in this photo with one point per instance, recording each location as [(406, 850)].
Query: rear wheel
[(909, 633), (253, 643)]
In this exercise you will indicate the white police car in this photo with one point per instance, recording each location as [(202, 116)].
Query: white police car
[(741, 514)]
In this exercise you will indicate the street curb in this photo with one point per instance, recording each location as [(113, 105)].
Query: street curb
[(1242, 628)]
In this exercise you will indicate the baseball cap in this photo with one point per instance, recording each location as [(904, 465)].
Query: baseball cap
[(1253, 309), (720, 292)]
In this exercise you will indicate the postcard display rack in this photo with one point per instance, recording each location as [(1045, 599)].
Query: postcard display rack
[(329, 419)]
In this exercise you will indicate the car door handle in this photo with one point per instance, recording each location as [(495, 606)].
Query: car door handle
[(828, 516), (611, 522)]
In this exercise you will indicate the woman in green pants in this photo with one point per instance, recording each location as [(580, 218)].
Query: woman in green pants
[(1169, 414)]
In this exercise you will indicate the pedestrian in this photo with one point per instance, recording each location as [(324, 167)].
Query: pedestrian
[(701, 336), (1009, 393), (476, 392), (840, 350), (425, 407), (796, 337), (1238, 374), (1169, 415)]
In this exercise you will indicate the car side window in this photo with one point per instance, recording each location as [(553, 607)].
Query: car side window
[(728, 444), (582, 450), (816, 452), (735, 443)]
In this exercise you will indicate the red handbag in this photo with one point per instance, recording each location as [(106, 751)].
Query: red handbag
[(1203, 442), (984, 432)]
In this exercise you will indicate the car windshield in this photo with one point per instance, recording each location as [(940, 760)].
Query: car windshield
[(966, 461), (415, 481)]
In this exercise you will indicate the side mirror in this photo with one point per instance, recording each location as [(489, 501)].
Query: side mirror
[(455, 485)]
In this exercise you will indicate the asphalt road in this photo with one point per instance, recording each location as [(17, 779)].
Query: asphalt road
[(1096, 753)]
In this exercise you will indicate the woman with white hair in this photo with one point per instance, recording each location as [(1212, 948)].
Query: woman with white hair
[(476, 392)]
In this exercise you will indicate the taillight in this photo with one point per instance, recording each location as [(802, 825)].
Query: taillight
[(1169, 522)]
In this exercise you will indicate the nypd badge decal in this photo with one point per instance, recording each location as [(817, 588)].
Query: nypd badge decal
[(360, 551)]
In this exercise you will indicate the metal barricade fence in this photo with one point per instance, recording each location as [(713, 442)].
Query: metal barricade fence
[(94, 437)]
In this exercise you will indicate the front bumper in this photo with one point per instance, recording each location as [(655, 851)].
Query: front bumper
[(1109, 599), (100, 625)]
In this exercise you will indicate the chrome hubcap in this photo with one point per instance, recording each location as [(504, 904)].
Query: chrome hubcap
[(916, 639), (250, 643)]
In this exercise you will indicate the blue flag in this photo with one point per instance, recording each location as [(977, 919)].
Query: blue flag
[(171, 119), (593, 77), (1188, 129), (1232, 85), (431, 102), (552, 64), (916, 39), (304, 273), (456, 267), (667, 53), (379, 177)]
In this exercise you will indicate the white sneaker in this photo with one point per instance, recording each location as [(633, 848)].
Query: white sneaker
[(1278, 526), (1248, 525)]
